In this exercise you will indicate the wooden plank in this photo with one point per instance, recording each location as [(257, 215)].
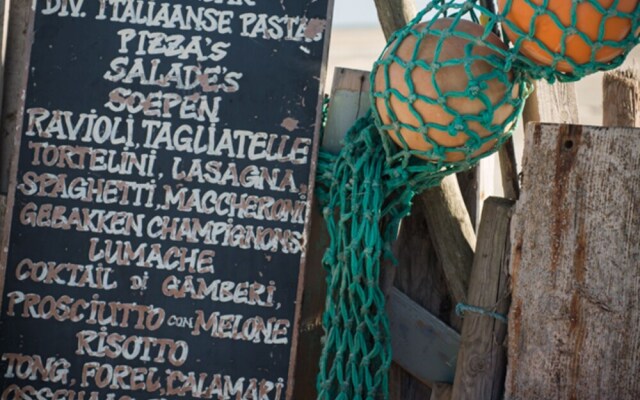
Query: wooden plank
[(452, 233), (310, 332), (411, 388), (482, 359), (469, 188), (441, 391), (576, 250), (555, 103), (621, 98), (421, 342), (350, 92), (552, 103), (19, 34), (509, 170), (349, 102), (421, 274), (4, 29), (394, 14)]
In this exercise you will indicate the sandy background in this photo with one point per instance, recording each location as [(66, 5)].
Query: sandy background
[(359, 48)]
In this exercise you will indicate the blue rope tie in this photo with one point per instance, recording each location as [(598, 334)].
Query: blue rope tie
[(462, 308)]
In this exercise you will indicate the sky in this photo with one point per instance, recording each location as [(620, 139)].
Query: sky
[(358, 12)]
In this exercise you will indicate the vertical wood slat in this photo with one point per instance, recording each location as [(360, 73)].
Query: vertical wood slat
[(19, 34), (482, 358), (394, 14), (552, 104), (441, 391), (509, 170), (4, 29), (555, 103), (469, 188), (427, 286), (576, 250), (621, 98), (349, 95), (452, 234)]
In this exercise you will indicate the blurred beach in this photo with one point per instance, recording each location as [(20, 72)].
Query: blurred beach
[(359, 47)]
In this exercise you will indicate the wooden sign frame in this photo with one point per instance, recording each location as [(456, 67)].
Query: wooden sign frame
[(21, 37)]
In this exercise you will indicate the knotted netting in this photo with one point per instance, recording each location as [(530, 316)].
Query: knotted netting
[(569, 39), (445, 93)]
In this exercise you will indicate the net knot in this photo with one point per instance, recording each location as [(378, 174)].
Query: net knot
[(571, 31), (467, 6)]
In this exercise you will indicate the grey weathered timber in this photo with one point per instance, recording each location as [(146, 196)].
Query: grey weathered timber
[(349, 102), (621, 98), (4, 29), (403, 385), (4, 33), (482, 358), (441, 391), (575, 256), (20, 33), (552, 103), (421, 274), (469, 187), (509, 170), (394, 14), (350, 92), (421, 342), (548, 103), (315, 289), (452, 233), (18, 53)]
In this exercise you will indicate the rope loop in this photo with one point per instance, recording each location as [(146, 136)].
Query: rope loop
[(463, 308)]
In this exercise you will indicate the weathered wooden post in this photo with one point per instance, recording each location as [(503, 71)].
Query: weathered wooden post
[(349, 94), (568, 279), (575, 258), (4, 29), (16, 67), (621, 98), (482, 359)]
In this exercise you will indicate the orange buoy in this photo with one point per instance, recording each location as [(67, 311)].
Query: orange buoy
[(453, 80), (588, 22)]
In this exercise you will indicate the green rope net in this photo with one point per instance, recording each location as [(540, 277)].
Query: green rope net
[(445, 93)]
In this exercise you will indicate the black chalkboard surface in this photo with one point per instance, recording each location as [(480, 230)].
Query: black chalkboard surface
[(163, 181)]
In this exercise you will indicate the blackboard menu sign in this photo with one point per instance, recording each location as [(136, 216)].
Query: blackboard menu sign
[(156, 228)]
